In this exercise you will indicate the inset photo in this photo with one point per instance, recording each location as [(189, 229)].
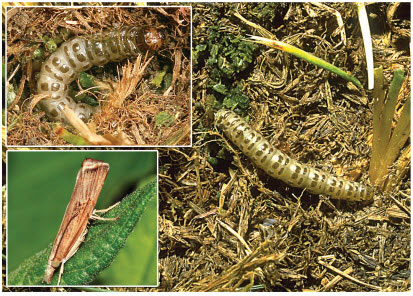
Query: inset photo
[(106, 76), (78, 218)]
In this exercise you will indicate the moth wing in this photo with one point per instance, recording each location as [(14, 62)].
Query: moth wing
[(89, 183)]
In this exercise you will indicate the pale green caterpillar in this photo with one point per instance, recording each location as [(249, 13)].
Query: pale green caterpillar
[(280, 166)]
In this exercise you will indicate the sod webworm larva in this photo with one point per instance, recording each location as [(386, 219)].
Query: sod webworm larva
[(89, 183), (80, 54), (282, 167)]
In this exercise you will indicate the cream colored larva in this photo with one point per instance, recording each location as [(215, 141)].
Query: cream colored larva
[(282, 167), (80, 54)]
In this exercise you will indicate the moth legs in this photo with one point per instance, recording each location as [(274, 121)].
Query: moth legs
[(61, 271), (96, 217)]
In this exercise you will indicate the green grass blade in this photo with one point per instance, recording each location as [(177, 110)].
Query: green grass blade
[(390, 106), (399, 137), (386, 146)]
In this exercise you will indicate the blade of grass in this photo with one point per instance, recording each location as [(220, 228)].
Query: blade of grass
[(368, 48), (399, 137), (386, 146), (390, 149), (378, 105), (390, 106), (295, 51)]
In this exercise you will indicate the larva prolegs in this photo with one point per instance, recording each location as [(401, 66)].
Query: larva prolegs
[(52, 108), (281, 166)]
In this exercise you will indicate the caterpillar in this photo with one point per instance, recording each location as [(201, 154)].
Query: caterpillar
[(280, 166), (81, 54)]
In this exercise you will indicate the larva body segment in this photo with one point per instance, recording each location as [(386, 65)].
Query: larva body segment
[(281, 166), (82, 53)]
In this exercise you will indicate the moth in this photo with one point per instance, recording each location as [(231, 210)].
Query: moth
[(82, 53), (89, 183), (280, 166)]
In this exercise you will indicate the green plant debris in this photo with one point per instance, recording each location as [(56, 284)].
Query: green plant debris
[(210, 102), (50, 44), (86, 80), (220, 88), (102, 243), (269, 40), (164, 118), (167, 80), (84, 98), (157, 80), (225, 56), (70, 138), (386, 145), (213, 160), (38, 54), (195, 54), (236, 98), (229, 55)]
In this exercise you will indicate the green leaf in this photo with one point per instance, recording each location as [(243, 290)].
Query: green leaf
[(136, 262), (50, 45), (101, 245), (201, 47), (157, 81), (222, 89), (164, 118), (86, 80)]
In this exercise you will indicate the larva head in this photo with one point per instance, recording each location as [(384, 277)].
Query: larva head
[(153, 38)]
